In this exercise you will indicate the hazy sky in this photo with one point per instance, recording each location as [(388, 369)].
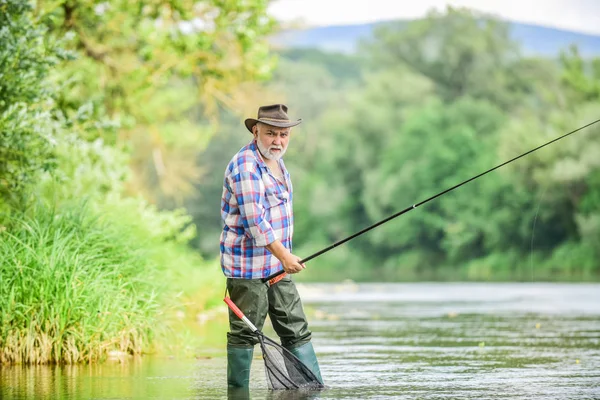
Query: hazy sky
[(577, 15)]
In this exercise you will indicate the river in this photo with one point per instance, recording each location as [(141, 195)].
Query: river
[(385, 341)]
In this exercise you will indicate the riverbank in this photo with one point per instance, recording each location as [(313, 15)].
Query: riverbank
[(81, 285)]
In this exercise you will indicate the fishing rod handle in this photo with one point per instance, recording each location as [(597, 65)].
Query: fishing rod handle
[(276, 274), (239, 313)]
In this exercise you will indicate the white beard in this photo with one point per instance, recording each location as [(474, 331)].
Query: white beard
[(267, 152)]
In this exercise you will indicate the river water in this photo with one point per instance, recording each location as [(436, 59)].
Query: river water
[(385, 341)]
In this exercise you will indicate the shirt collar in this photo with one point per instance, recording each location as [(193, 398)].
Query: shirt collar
[(259, 158)]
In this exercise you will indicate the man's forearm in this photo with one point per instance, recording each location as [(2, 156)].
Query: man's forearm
[(289, 262), (278, 250)]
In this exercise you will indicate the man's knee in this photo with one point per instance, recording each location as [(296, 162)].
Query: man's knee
[(238, 339), (297, 340)]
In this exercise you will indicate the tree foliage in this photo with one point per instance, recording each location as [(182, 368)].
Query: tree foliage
[(462, 52), (441, 100), (27, 129), (159, 71), (85, 89), (427, 105)]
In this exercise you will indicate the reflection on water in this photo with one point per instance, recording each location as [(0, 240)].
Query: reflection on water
[(245, 394), (426, 341)]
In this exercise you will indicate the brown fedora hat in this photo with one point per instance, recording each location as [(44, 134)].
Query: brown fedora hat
[(274, 115)]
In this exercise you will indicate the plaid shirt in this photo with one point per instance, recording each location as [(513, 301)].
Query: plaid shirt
[(256, 209)]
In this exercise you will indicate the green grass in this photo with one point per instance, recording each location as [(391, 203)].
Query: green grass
[(74, 286)]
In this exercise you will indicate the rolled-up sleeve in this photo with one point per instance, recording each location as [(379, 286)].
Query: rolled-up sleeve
[(248, 188)]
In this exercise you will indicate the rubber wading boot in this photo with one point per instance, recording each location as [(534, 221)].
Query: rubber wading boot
[(306, 354), (238, 393), (239, 360)]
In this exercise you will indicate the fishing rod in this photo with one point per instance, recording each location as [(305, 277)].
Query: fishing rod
[(325, 250)]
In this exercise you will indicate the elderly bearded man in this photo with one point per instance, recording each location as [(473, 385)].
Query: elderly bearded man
[(256, 241)]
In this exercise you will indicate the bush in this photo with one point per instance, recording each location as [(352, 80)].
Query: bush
[(75, 286), (72, 288)]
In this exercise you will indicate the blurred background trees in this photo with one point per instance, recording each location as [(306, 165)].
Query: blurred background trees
[(423, 106), (145, 100)]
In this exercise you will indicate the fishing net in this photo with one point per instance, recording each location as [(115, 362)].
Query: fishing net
[(283, 369)]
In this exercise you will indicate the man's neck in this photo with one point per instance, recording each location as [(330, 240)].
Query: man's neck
[(271, 163)]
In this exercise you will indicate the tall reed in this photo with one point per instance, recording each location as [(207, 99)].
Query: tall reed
[(72, 288)]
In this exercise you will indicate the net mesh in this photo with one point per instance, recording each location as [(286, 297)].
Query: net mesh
[(284, 370)]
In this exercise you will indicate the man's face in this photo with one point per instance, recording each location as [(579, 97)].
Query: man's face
[(272, 141)]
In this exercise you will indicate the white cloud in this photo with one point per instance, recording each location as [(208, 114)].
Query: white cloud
[(575, 15)]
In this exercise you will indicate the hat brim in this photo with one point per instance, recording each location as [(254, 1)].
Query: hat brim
[(250, 122)]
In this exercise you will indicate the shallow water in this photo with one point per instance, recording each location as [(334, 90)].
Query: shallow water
[(385, 341)]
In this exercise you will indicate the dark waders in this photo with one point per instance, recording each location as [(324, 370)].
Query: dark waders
[(282, 303)]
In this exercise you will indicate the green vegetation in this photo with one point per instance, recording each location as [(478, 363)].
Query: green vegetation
[(91, 266), (436, 102), (78, 284), (117, 119)]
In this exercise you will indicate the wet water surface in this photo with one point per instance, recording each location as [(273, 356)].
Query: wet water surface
[(385, 341)]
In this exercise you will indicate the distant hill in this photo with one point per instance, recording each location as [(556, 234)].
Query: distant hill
[(534, 39)]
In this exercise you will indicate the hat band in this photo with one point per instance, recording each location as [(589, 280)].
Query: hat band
[(274, 119)]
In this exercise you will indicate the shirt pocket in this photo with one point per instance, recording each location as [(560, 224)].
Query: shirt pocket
[(274, 198)]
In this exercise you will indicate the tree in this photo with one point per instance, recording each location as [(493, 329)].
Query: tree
[(444, 99), (580, 79), (462, 52), (160, 70), (27, 127)]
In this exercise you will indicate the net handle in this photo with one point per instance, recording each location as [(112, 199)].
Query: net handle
[(239, 313)]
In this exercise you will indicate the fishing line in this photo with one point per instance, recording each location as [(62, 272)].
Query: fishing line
[(264, 280)]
